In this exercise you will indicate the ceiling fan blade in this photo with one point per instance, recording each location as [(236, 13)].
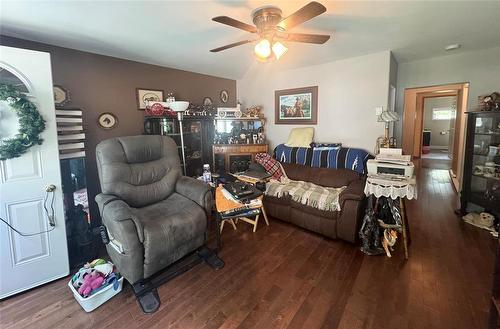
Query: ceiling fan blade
[(235, 23), (311, 10), (306, 38), (231, 45)]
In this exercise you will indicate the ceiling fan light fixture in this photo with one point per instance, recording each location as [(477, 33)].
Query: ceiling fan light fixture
[(263, 49), (279, 49)]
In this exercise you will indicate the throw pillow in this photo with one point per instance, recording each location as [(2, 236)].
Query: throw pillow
[(272, 166), (300, 137)]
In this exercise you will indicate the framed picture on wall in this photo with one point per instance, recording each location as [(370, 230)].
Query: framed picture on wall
[(298, 106), (144, 95)]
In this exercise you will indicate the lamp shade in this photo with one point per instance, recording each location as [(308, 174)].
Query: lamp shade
[(388, 116), (178, 106)]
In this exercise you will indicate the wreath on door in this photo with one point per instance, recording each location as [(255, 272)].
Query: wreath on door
[(31, 123)]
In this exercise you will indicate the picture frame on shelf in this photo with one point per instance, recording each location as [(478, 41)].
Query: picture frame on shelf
[(143, 95), (297, 106)]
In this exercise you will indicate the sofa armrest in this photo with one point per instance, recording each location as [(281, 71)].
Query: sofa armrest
[(354, 191), (352, 201), (196, 191), (115, 214)]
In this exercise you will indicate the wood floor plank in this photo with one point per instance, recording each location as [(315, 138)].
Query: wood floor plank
[(285, 277)]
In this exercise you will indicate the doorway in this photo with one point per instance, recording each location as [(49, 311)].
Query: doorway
[(415, 102), (438, 129)]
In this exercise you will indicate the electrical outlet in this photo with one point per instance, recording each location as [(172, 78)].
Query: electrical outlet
[(379, 110)]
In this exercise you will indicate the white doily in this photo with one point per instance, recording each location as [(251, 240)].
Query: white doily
[(394, 189)]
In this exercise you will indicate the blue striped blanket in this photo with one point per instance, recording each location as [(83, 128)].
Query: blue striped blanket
[(336, 157)]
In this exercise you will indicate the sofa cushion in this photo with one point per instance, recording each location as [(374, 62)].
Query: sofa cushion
[(284, 200), (326, 177), (313, 211), (172, 228), (300, 137)]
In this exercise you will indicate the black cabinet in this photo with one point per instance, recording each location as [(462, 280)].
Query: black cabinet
[(481, 179), (198, 133)]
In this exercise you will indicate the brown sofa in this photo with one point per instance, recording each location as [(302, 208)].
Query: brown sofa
[(343, 224)]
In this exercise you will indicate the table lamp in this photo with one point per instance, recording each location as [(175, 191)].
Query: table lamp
[(180, 107), (387, 117)]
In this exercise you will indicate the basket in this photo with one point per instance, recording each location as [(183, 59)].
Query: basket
[(95, 300)]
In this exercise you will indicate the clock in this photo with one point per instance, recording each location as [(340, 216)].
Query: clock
[(61, 96)]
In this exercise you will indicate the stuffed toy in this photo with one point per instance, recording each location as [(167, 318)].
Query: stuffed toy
[(98, 261), (104, 269), (78, 278), (483, 220), (389, 240), (90, 282)]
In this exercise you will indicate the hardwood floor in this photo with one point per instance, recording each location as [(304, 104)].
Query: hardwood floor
[(285, 277)]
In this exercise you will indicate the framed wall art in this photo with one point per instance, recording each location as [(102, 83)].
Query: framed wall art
[(144, 95), (61, 96), (224, 96), (298, 106), (107, 120)]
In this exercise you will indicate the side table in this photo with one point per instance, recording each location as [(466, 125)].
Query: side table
[(229, 210), (404, 188)]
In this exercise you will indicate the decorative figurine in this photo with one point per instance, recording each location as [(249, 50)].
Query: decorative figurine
[(491, 102), (370, 232)]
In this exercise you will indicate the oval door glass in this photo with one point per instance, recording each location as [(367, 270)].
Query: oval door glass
[(9, 123)]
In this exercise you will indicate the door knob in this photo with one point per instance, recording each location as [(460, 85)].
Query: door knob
[(50, 188)]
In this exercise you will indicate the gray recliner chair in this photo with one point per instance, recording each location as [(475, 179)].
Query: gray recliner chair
[(154, 216)]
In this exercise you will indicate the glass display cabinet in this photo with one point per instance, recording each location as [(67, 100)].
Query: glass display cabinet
[(237, 141), (198, 134), (481, 179)]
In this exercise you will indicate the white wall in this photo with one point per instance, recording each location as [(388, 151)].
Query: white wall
[(438, 141), (348, 92), (480, 68)]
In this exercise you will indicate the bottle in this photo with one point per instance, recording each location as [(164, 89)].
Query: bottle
[(207, 175)]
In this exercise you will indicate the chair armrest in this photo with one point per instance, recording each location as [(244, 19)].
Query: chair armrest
[(115, 213), (354, 191), (196, 191)]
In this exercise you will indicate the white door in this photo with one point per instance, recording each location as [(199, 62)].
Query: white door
[(29, 261)]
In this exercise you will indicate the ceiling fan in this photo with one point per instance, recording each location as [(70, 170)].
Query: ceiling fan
[(272, 29)]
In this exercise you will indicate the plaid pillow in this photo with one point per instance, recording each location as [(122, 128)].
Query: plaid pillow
[(272, 166)]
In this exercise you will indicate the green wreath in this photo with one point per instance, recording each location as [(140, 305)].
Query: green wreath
[(31, 123)]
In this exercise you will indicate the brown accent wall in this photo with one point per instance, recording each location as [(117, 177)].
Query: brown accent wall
[(106, 84)]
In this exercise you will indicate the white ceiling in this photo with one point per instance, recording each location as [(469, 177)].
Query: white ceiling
[(180, 34)]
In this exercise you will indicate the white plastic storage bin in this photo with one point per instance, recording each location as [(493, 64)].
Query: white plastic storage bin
[(94, 301)]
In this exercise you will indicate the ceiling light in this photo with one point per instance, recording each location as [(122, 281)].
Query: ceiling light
[(263, 49), (453, 46), (279, 49)]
